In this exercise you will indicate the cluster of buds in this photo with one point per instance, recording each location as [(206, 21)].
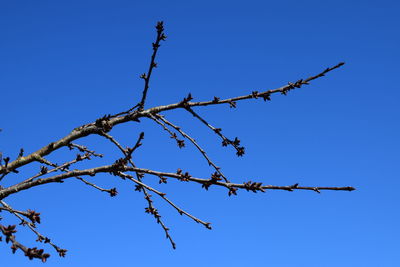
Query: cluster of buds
[(215, 177), (184, 177), (253, 186), (31, 253), (33, 216), (104, 123), (236, 144), (179, 142), (185, 101)]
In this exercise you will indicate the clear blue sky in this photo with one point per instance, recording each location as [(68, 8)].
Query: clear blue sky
[(65, 63)]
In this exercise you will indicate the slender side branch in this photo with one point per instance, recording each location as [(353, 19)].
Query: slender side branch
[(108, 122), (32, 215), (122, 168), (163, 196), (63, 167), (113, 191), (249, 186), (31, 253), (177, 128), (266, 95), (225, 141), (85, 150), (153, 64), (32, 226)]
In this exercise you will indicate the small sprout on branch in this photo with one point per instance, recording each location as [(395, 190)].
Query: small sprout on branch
[(185, 177), (62, 252), (104, 123), (163, 37), (217, 130), (253, 186), (8, 231), (163, 180), (240, 151), (160, 26), (266, 96), (186, 100), (232, 191), (153, 211), (181, 143), (138, 188), (21, 153), (33, 216), (215, 177), (113, 192), (155, 46), (43, 169), (6, 160), (78, 157)]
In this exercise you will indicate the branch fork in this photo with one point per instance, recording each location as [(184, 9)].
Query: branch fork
[(125, 168)]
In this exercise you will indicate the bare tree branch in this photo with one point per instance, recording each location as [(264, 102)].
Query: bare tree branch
[(125, 167), (33, 216), (163, 196), (150, 208), (217, 169), (31, 253), (160, 37), (119, 166)]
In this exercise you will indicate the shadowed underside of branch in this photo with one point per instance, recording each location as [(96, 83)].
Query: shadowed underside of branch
[(125, 167)]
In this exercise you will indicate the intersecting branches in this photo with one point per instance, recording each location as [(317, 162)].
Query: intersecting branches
[(143, 188), (34, 218), (125, 167), (106, 123), (158, 118), (163, 196), (63, 167)]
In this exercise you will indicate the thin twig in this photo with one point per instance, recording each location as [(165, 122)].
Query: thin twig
[(163, 196), (64, 166), (117, 167), (113, 191), (91, 128), (32, 227), (225, 140), (85, 149), (151, 209), (201, 150), (23, 213), (265, 95), (153, 64), (29, 252)]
